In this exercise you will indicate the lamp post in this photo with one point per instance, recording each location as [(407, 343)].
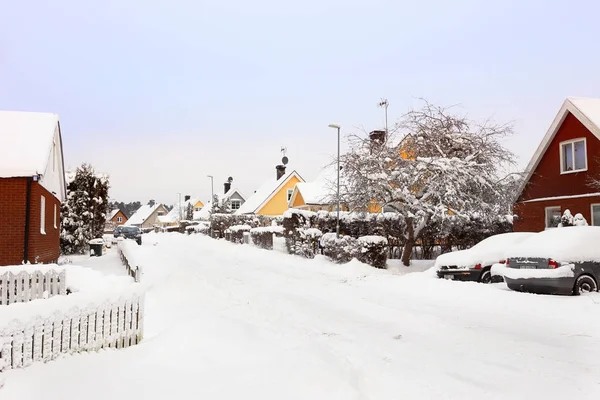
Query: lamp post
[(337, 223), (384, 103), (212, 194), (179, 205)]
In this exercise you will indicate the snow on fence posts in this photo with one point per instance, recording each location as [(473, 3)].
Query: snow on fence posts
[(24, 285), (111, 325), (127, 249)]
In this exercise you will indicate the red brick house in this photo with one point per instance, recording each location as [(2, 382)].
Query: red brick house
[(558, 175), (32, 187)]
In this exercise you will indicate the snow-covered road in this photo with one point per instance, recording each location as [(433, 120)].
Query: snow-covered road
[(227, 321)]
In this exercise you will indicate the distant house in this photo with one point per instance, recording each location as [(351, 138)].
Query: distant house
[(230, 194), (32, 187), (147, 216), (274, 196), (320, 194), (559, 172), (115, 218)]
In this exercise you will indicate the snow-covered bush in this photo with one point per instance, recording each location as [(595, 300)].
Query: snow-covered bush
[(219, 223), (566, 219), (340, 250), (579, 220), (297, 241), (235, 233), (373, 250), (263, 236)]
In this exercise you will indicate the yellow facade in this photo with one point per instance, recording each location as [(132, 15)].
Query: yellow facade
[(199, 204), (298, 200), (278, 204)]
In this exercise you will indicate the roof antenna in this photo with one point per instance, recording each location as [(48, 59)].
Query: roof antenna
[(284, 159)]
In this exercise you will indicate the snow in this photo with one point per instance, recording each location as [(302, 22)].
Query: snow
[(272, 229), (487, 252), (142, 214), (225, 321), (26, 139), (564, 271), (256, 200), (322, 190), (237, 228), (373, 239), (589, 107), (568, 244)]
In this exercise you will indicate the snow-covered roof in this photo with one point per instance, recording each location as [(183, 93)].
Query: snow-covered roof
[(26, 140), (319, 191), (586, 110), (265, 192), (142, 214), (231, 192), (112, 214)]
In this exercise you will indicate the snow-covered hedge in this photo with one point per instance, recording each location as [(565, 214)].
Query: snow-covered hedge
[(263, 236), (235, 233), (371, 250), (219, 223)]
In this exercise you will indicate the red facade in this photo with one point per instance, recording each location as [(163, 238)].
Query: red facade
[(548, 187), (42, 243)]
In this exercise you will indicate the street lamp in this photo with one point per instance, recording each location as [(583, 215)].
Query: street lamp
[(212, 194), (179, 206), (337, 223)]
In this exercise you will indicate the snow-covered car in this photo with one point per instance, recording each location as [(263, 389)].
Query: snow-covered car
[(474, 264), (555, 261)]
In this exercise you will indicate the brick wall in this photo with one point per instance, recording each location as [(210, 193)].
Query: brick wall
[(42, 248), (12, 222)]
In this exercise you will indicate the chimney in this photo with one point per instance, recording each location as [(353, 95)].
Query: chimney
[(377, 137), (280, 171), (187, 197), (227, 185)]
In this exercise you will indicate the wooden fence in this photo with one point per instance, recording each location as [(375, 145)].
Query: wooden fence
[(31, 285), (132, 270), (111, 326)]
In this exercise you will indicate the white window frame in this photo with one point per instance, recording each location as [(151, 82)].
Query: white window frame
[(119, 219), (546, 210), (55, 217), (42, 215), (238, 202), (571, 143), (592, 213), (290, 193)]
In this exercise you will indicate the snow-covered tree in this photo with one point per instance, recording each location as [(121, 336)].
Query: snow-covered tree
[(433, 167), (189, 212), (85, 209), (221, 206), (579, 220), (566, 219)]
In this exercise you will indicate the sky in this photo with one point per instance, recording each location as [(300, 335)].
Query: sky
[(161, 94)]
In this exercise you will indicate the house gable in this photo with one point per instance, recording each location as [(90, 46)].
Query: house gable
[(117, 215), (547, 180), (578, 117), (297, 200), (277, 203), (199, 204)]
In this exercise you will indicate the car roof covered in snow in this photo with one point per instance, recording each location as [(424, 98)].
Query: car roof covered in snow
[(569, 244), (25, 142)]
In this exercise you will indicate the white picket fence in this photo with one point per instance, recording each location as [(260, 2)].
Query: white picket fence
[(26, 286), (126, 249), (114, 325)]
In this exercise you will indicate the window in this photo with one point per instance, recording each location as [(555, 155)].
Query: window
[(236, 204), (55, 216), (119, 219), (161, 213), (289, 194), (573, 156), (553, 215), (197, 208), (595, 215), (43, 216)]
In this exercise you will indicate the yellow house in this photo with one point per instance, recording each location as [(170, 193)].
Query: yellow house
[(198, 205), (273, 197)]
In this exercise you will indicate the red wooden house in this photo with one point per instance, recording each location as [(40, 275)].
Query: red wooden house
[(32, 187), (558, 176)]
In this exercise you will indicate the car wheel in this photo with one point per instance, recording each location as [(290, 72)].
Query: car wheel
[(486, 276), (585, 284)]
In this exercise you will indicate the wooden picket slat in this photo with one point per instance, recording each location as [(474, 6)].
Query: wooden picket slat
[(31, 285)]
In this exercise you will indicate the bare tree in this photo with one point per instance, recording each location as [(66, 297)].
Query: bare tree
[(434, 166)]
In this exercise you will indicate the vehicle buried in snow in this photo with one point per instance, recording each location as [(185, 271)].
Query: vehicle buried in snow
[(129, 232), (474, 264), (555, 261)]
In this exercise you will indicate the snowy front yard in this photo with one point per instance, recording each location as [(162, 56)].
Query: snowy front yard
[(226, 321)]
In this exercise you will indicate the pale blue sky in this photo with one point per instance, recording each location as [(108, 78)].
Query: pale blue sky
[(160, 94)]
